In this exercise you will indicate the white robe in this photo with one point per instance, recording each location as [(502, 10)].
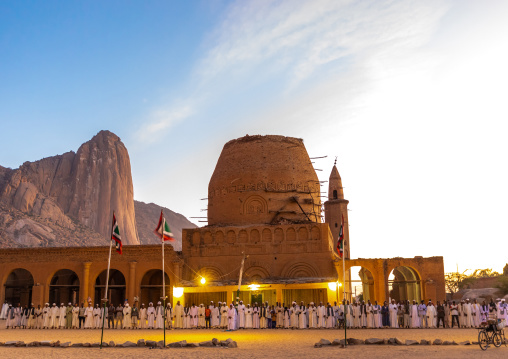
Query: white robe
[(392, 309), (54, 314), (241, 316), (193, 317), (224, 317), (293, 317), (62, 318), (3, 313), (150, 313), (89, 318), (431, 316), (215, 315), (413, 312), (201, 317), (75, 317), (312, 317), (231, 318), (178, 314), (127, 320), (159, 320), (248, 318), (321, 311), (46, 319), (302, 318)]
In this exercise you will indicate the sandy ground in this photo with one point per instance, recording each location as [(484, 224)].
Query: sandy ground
[(251, 344)]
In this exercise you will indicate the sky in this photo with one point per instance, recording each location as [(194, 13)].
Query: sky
[(409, 95)]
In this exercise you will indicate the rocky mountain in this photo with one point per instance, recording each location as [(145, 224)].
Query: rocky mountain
[(67, 200), (147, 215)]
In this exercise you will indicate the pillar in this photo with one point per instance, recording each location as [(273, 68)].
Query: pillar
[(84, 294), (131, 287), (231, 295), (278, 294)]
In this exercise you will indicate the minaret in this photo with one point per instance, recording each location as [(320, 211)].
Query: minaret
[(335, 208)]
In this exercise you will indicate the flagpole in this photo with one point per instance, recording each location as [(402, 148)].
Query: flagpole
[(344, 295), (163, 281), (107, 282)]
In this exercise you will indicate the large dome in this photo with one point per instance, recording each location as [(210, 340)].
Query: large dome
[(263, 180)]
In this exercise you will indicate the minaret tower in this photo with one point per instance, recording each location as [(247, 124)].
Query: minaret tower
[(335, 208)]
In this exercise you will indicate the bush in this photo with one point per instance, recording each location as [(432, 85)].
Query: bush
[(502, 284)]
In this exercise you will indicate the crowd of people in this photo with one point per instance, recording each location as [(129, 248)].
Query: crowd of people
[(403, 314)]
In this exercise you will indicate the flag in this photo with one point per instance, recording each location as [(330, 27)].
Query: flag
[(115, 235), (340, 242), (163, 233)]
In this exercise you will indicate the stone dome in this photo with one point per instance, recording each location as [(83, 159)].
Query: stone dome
[(263, 180)]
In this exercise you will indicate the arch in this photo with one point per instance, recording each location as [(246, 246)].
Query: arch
[(19, 286), (196, 238), (315, 233), (278, 235), (256, 273), (303, 234), (64, 287), (207, 238), (231, 237), (300, 270), (151, 287), (254, 236), (211, 274), (404, 283), (255, 205), (266, 235), (242, 236), (219, 237), (360, 284), (116, 287), (290, 234)]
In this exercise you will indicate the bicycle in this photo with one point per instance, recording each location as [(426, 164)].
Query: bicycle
[(491, 332)]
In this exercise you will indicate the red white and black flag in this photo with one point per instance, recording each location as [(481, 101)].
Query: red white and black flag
[(115, 235), (340, 242)]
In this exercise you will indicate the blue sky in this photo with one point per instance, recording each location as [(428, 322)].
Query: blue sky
[(410, 95)]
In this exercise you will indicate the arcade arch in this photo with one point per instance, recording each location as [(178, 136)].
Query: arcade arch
[(18, 287), (404, 283), (359, 284), (116, 287), (151, 287), (64, 287)]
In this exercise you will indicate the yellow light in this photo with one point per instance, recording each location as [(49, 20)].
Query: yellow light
[(177, 292), (203, 280), (332, 286), (254, 286), (340, 285)]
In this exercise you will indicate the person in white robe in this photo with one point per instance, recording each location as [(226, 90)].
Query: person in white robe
[(186, 317), (38, 317), (484, 312), (142, 316), (3, 312), (159, 313), (75, 318), (127, 319), (30, 324), (293, 315), (89, 317), (263, 319), (231, 317), (330, 316), (150, 314), (280, 315), (241, 315), (286, 318), (392, 308), (413, 314), (248, 317), (201, 316), (475, 312), (169, 316), (193, 316), (178, 315), (312, 316), (96, 317), (503, 310), (215, 316), (321, 311), (376, 315), (224, 316), (255, 316), (468, 318), (54, 316), (370, 317), (431, 315), (61, 316), (302, 317), (46, 311), (9, 317), (24, 317)]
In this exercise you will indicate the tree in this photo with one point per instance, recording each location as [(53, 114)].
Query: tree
[(453, 280), (505, 269)]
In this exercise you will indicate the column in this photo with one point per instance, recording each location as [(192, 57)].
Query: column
[(131, 289), (279, 294), (229, 296), (84, 293)]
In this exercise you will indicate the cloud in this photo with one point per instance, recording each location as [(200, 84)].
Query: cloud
[(161, 120)]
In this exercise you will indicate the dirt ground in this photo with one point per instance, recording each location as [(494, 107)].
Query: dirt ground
[(251, 344)]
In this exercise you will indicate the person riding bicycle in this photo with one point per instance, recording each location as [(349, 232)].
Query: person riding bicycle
[(492, 318)]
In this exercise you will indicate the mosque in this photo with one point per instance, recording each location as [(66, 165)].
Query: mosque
[(265, 228)]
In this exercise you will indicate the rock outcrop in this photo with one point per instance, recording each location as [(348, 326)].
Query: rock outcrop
[(147, 215), (69, 191)]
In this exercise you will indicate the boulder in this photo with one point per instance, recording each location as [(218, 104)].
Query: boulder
[(179, 344), (96, 345), (192, 345), (325, 342), (438, 342), (151, 343), (425, 342), (56, 344), (395, 341), (11, 343), (374, 341), (447, 342), (215, 341), (127, 344), (65, 345), (111, 344), (232, 344), (33, 344), (354, 341), (338, 342), (160, 344), (467, 342), (141, 343), (411, 342), (46, 343), (207, 344), (79, 345), (87, 345), (317, 345)]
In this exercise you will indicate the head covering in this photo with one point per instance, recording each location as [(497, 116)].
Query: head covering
[(158, 302)]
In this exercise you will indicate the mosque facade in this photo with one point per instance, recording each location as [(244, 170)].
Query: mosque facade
[(265, 228)]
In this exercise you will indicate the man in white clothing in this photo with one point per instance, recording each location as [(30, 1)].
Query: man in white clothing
[(413, 314), (392, 308), (178, 314), (431, 315), (62, 316), (127, 320), (231, 317), (241, 315), (321, 312)]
